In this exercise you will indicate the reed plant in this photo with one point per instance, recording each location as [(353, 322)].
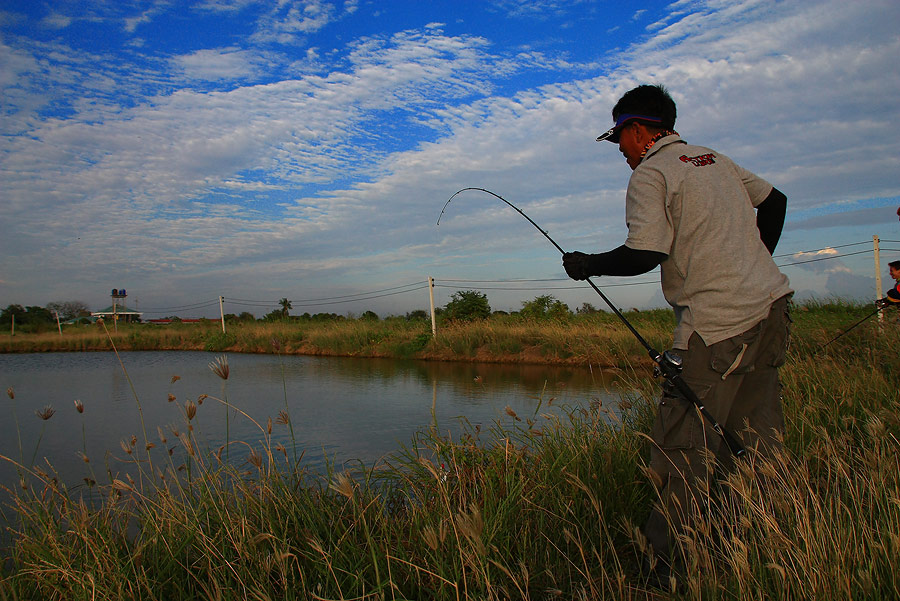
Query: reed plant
[(596, 338), (538, 506)]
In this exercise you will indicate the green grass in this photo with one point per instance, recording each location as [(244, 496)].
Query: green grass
[(546, 508)]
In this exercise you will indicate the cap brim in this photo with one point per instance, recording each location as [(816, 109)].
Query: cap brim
[(622, 120), (611, 135)]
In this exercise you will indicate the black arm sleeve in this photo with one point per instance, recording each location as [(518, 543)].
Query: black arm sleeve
[(770, 218), (624, 261)]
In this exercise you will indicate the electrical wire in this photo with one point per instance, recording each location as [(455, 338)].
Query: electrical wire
[(514, 285)]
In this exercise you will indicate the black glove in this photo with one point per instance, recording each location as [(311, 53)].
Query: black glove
[(576, 265), (881, 303)]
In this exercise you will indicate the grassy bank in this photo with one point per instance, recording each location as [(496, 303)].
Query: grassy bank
[(599, 338), (547, 509)]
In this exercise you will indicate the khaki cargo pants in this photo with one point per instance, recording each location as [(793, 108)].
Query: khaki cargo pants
[(737, 380)]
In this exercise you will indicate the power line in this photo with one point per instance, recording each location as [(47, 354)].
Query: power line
[(617, 285), (330, 298), (200, 305), (513, 285), (861, 252), (361, 299), (821, 249)]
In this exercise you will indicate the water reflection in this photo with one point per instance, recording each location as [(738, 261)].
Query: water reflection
[(341, 409)]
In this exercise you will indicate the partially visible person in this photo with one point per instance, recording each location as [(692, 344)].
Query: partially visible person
[(711, 226), (892, 297)]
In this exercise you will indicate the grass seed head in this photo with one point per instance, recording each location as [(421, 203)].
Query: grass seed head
[(79, 406), (10, 392), (45, 413), (431, 538), (343, 485), (220, 367), (188, 445)]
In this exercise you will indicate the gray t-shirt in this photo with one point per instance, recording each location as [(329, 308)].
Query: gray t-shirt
[(697, 206)]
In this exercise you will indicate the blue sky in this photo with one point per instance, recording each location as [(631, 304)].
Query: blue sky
[(304, 149)]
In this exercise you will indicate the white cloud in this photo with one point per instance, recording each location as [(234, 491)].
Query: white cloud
[(289, 182), (220, 64), (56, 21), (820, 261), (290, 19), (157, 7)]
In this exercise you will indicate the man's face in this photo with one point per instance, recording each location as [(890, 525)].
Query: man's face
[(895, 273), (630, 144)]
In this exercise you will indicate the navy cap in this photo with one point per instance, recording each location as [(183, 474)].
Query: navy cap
[(613, 133)]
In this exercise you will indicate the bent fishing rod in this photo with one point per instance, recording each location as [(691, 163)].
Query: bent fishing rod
[(668, 363)]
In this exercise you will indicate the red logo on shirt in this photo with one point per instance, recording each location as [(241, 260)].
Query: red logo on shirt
[(700, 160)]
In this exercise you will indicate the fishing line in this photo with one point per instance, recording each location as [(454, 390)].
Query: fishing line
[(668, 364), (872, 314)]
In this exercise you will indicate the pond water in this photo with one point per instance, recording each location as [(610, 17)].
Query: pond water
[(343, 410)]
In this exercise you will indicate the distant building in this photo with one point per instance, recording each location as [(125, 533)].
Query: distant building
[(120, 312)]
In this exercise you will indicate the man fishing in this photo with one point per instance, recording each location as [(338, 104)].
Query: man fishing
[(712, 227), (892, 296)]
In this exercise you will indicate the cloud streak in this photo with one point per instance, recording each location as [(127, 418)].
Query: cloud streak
[(279, 162)]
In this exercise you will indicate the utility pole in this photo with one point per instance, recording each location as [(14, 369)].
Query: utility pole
[(877, 246), (222, 312), (431, 301)]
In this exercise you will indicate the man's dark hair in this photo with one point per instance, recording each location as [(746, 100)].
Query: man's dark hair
[(652, 101), (894, 264)]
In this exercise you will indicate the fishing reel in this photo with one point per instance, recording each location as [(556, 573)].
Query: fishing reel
[(668, 365)]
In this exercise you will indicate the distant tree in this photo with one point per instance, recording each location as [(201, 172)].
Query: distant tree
[(545, 306), (246, 316), (369, 316), (29, 319), (417, 315), (39, 315), (285, 307), (587, 309), (274, 315), (327, 317), (69, 309), (466, 305), (11, 311)]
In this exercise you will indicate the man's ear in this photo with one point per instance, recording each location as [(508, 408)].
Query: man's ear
[(642, 134)]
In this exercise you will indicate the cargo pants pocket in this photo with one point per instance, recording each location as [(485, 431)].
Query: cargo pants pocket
[(678, 425), (736, 355), (777, 337)]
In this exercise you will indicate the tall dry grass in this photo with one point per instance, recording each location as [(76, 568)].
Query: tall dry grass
[(547, 508)]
